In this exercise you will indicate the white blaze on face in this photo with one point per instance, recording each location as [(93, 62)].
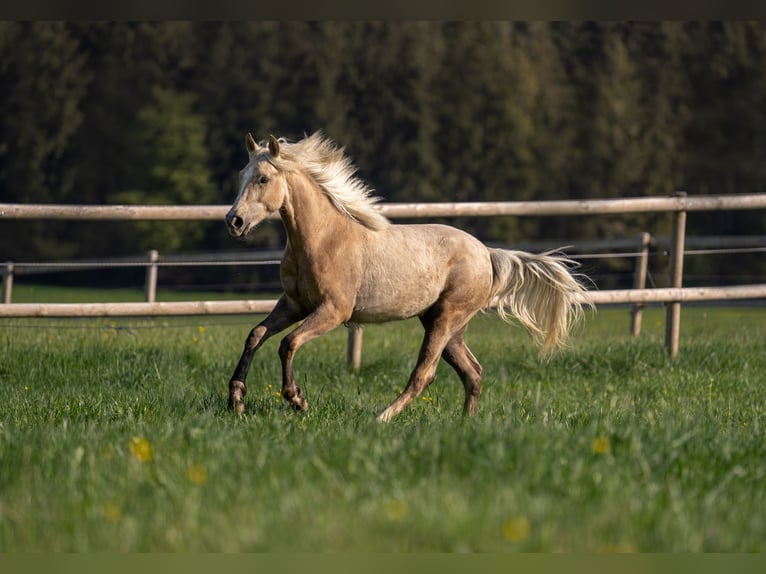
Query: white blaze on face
[(247, 177), (237, 217)]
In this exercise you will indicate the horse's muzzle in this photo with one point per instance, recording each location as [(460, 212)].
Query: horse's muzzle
[(235, 224)]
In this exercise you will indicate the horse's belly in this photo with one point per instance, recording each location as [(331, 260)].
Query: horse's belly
[(390, 302)]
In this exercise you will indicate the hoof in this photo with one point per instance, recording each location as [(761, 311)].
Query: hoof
[(237, 392), (385, 417), (300, 404), (296, 400)]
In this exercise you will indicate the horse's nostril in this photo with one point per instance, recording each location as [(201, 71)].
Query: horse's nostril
[(236, 222)]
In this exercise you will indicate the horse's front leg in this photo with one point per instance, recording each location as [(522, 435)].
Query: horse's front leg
[(322, 320), (284, 314)]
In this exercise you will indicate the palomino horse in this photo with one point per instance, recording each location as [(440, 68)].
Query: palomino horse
[(345, 263)]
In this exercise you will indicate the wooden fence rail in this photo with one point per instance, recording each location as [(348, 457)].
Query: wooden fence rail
[(402, 210), (615, 296), (678, 204)]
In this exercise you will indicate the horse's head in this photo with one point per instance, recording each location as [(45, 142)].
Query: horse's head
[(262, 188)]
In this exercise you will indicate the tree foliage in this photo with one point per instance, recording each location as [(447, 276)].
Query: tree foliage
[(171, 164), (104, 112)]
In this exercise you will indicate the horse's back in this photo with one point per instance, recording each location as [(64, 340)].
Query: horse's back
[(408, 268)]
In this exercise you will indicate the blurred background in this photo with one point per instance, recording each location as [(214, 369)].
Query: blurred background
[(156, 113)]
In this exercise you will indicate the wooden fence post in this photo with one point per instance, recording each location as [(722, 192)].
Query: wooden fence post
[(673, 310), (354, 346), (150, 289), (639, 282), (7, 281)]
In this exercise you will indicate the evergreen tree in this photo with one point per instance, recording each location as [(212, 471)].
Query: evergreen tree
[(171, 167), (502, 100), (725, 66), (44, 79), (390, 120)]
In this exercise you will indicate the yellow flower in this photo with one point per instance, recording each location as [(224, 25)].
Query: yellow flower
[(141, 449), (396, 510), (197, 474), (201, 329), (516, 529), (600, 445), (112, 512)]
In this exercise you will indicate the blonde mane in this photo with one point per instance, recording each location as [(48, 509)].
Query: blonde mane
[(334, 173)]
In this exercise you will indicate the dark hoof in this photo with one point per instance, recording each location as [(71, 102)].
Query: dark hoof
[(300, 405), (296, 400)]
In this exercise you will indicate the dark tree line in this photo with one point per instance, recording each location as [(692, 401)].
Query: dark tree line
[(430, 111)]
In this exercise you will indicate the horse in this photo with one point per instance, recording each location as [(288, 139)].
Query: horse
[(346, 263)]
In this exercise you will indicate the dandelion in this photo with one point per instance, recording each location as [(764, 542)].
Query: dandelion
[(396, 510), (197, 474), (141, 449), (201, 328), (112, 512), (516, 529), (26, 388), (600, 445)]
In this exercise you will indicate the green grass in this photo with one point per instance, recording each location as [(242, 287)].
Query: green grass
[(36, 293), (608, 446)]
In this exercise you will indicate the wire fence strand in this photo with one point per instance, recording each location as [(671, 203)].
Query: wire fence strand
[(109, 264)]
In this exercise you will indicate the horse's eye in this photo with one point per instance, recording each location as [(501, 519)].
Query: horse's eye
[(263, 179)]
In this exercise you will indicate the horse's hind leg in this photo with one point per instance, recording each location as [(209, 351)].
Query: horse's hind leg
[(459, 357), (282, 316), (439, 330)]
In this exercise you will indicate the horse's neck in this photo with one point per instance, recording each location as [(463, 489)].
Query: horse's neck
[(310, 218)]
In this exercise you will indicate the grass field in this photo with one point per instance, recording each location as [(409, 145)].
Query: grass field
[(114, 436)]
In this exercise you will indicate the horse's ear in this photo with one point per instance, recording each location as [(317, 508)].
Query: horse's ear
[(250, 144), (273, 146)]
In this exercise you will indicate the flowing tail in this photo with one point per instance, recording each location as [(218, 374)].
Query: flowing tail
[(540, 291)]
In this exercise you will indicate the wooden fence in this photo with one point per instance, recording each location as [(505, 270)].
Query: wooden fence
[(678, 204)]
